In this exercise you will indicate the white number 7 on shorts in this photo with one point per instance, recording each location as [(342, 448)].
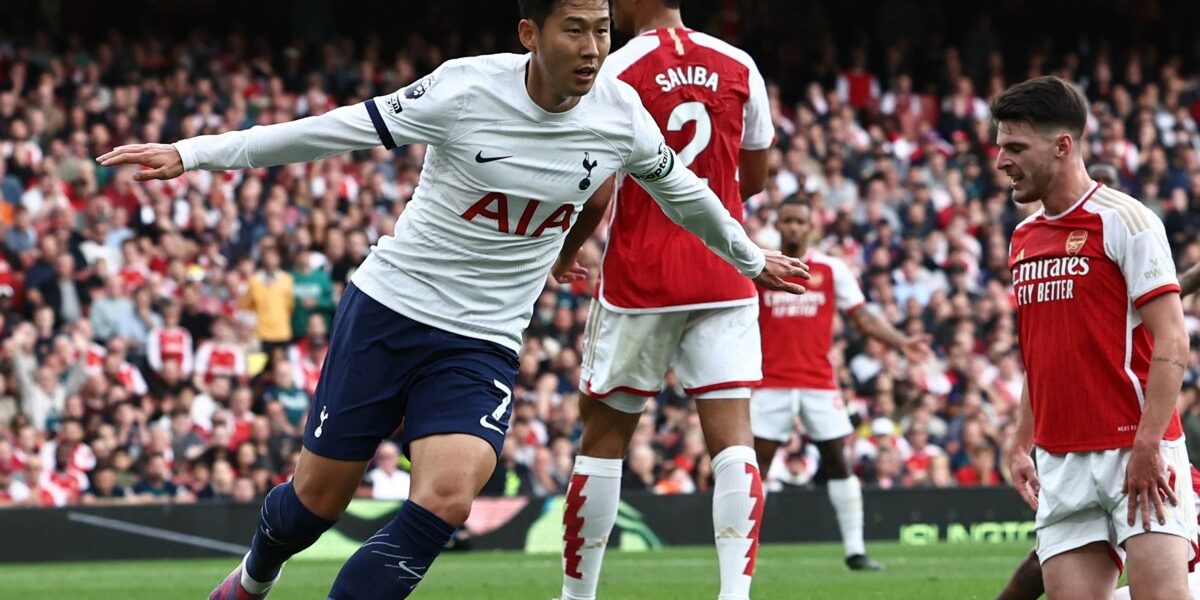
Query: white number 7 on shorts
[(499, 412)]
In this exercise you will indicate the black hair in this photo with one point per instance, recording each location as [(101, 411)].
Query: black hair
[(538, 10), (797, 199), (1043, 102)]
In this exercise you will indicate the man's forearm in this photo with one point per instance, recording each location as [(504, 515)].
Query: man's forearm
[(339, 130), (1167, 366), (1022, 442), (589, 218), (877, 327), (1189, 282)]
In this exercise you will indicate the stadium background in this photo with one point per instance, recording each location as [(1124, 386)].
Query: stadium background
[(881, 116)]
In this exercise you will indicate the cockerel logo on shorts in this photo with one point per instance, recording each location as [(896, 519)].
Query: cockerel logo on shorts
[(1075, 241)]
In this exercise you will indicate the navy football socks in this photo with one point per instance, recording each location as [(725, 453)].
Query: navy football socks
[(392, 562), (285, 528)]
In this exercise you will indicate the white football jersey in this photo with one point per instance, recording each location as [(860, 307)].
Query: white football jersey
[(503, 181)]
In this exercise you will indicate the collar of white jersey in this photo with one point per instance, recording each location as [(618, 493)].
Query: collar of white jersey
[(535, 112), (1088, 194)]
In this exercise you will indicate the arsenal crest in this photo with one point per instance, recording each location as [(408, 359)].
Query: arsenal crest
[(814, 280), (1075, 241)]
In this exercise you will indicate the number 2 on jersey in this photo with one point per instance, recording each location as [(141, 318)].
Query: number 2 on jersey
[(691, 111)]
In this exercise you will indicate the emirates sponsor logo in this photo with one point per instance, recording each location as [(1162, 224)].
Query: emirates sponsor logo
[(1049, 268), (1075, 241)]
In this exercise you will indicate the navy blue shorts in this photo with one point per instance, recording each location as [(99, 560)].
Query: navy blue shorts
[(384, 369)]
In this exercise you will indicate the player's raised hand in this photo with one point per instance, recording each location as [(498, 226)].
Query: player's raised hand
[(916, 347), (568, 272), (1147, 485), (779, 269), (163, 160), (1024, 478)]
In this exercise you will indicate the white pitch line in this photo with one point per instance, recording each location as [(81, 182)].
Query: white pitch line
[(157, 533)]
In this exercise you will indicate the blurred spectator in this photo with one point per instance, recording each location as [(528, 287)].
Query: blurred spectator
[(284, 389), (982, 470), (314, 293), (154, 485), (639, 474), (511, 477), (272, 300), (386, 481), (170, 342), (104, 488), (12, 490)]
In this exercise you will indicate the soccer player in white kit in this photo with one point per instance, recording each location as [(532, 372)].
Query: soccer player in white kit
[(798, 377), (663, 303), (428, 332), (1105, 348)]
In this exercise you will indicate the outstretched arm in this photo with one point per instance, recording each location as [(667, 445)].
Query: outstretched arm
[(428, 111), (916, 347), (337, 131)]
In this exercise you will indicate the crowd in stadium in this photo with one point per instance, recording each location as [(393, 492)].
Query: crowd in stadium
[(162, 341)]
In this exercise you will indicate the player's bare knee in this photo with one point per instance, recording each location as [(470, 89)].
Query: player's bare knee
[(324, 500), (833, 459), (451, 505)]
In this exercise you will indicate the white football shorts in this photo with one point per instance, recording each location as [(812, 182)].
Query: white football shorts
[(1081, 501), (716, 353), (773, 410)]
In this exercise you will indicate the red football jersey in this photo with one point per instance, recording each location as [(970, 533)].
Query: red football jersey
[(171, 343), (797, 330), (216, 359), (1079, 278), (710, 102)]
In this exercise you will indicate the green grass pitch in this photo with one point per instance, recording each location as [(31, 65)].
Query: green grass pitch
[(793, 572)]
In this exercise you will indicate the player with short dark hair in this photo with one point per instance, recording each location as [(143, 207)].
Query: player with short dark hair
[(798, 377), (428, 330), (1105, 348)]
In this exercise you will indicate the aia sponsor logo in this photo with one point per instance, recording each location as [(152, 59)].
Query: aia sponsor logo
[(1075, 241)]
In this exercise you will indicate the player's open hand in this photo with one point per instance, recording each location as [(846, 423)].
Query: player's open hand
[(916, 347), (1024, 478), (779, 269), (162, 160), (1147, 485), (568, 272)]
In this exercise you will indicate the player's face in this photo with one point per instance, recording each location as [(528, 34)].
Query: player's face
[(1027, 156), (572, 44), (794, 224)]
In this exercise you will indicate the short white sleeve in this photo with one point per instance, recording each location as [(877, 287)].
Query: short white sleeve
[(845, 287), (1136, 240), (426, 111), (758, 131)]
